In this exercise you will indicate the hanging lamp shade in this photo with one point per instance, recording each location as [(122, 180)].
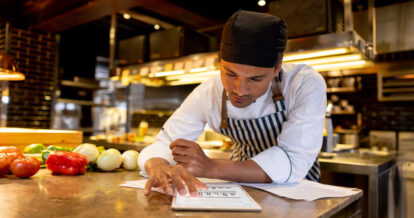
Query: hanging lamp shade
[(8, 68)]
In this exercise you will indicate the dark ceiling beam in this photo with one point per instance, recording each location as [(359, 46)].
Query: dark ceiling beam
[(93, 10), (177, 13), (28, 12), (97, 9), (147, 19)]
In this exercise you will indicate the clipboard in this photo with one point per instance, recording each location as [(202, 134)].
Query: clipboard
[(217, 197)]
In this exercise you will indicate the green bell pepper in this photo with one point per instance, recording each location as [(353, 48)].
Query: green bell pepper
[(45, 154), (50, 148), (58, 148), (34, 148)]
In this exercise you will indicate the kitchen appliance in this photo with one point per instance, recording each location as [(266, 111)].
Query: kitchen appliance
[(408, 169), (327, 143), (383, 140), (176, 42), (350, 138), (406, 147), (329, 40), (320, 16), (133, 50)]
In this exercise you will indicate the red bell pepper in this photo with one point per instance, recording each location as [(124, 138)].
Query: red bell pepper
[(66, 162)]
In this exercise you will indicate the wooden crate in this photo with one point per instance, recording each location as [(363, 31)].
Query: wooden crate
[(22, 137)]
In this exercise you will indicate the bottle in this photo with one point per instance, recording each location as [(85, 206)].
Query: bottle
[(143, 128)]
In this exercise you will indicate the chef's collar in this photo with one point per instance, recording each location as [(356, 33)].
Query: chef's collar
[(254, 38)]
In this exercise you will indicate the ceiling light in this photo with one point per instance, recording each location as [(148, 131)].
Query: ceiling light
[(127, 16), (167, 73), (314, 54), (193, 75), (329, 59), (261, 3), (157, 27), (199, 69), (341, 65)]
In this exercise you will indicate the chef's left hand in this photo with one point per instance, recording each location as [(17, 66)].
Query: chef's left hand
[(190, 155)]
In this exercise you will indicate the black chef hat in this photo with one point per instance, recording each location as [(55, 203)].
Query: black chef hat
[(254, 38)]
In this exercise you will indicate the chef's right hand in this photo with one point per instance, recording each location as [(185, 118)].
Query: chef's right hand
[(162, 174)]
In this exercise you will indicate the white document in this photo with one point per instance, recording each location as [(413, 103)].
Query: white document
[(302, 190), (217, 197)]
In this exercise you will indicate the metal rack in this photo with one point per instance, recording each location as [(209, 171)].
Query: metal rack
[(396, 85)]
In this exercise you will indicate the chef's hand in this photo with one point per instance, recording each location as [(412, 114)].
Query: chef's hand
[(190, 155), (162, 174)]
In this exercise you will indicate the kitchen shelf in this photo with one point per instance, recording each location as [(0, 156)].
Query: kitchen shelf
[(85, 85), (81, 102), (397, 90), (341, 90), (395, 85), (154, 112), (91, 130), (343, 113), (345, 131)]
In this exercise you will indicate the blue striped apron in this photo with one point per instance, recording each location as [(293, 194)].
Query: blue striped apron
[(252, 136)]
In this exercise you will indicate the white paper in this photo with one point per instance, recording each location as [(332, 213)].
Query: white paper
[(225, 197), (302, 190)]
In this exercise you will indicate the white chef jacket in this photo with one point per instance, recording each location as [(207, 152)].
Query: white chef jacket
[(304, 92)]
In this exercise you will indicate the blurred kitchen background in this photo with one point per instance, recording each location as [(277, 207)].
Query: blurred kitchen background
[(116, 70)]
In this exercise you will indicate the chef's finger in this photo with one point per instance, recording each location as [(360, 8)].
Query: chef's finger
[(188, 179), (199, 184), (177, 181), (165, 184), (179, 150), (183, 160), (148, 185), (181, 143)]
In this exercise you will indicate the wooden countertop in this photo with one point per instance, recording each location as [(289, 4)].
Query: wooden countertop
[(98, 194)]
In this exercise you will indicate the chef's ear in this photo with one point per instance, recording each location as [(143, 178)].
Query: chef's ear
[(277, 70)]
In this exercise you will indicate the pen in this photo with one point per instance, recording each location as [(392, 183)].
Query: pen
[(166, 134)]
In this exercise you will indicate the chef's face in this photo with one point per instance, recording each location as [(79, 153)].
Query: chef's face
[(245, 83)]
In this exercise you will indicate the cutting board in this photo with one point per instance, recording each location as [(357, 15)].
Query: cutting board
[(22, 137)]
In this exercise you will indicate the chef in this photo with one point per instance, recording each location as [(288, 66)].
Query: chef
[(273, 112)]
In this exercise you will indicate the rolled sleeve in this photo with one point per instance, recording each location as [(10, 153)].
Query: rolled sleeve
[(279, 171)]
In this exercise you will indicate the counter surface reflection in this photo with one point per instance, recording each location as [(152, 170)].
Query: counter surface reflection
[(97, 194)]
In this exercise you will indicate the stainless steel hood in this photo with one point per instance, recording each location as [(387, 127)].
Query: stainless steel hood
[(349, 39), (338, 44)]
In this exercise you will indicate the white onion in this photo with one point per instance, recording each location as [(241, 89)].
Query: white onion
[(89, 150), (109, 160), (130, 160)]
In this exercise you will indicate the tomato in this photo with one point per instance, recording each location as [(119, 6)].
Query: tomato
[(4, 165), (25, 167), (12, 156), (9, 149)]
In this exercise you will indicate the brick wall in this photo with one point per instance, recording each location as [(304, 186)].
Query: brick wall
[(393, 115), (376, 115), (30, 103)]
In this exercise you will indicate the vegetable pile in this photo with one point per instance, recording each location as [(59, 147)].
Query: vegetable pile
[(64, 160), (11, 160)]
